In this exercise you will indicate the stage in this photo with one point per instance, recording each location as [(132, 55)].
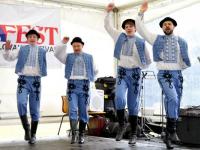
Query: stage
[(11, 138), (93, 143)]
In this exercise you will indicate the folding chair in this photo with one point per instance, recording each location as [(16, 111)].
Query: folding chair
[(65, 110)]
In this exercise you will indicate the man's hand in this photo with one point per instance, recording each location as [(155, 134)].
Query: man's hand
[(65, 40), (144, 6), (8, 45), (110, 7)]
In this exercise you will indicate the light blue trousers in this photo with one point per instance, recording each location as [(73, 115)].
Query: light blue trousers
[(171, 83), (127, 89), (29, 89), (78, 96)]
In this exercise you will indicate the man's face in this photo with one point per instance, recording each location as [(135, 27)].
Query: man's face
[(168, 27), (77, 47), (130, 29), (32, 39)]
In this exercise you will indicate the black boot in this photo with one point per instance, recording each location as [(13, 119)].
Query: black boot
[(26, 127), (34, 125), (167, 138), (82, 126), (133, 120), (167, 141), (73, 125), (122, 124), (173, 135)]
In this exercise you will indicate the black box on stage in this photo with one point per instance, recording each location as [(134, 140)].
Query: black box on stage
[(106, 83), (188, 126)]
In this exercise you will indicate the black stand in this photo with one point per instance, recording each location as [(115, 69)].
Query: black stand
[(162, 115), (145, 75)]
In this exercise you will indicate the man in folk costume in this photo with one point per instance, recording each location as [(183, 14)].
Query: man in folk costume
[(132, 56), (170, 52), (30, 67), (79, 71)]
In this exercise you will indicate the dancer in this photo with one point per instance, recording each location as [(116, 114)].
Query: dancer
[(79, 71), (132, 56), (31, 66), (170, 52)]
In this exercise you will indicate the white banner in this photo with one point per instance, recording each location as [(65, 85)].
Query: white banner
[(17, 20)]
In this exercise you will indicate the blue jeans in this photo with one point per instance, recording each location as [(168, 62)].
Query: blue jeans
[(29, 89), (171, 83), (78, 96), (128, 89)]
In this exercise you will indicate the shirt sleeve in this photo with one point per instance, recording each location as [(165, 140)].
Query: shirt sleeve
[(96, 71), (60, 52), (113, 32), (147, 55), (11, 55), (143, 31)]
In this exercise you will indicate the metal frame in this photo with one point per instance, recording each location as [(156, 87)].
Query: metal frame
[(145, 75), (61, 123)]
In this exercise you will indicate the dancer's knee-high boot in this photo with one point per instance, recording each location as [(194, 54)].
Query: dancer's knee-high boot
[(133, 120), (73, 125), (82, 126), (34, 125), (26, 126), (122, 124)]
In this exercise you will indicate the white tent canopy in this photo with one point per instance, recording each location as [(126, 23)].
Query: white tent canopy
[(123, 6)]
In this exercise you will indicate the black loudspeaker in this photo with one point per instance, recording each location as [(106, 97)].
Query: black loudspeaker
[(188, 126), (108, 85)]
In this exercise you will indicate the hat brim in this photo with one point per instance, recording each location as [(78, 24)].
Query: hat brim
[(168, 19), (32, 32), (77, 42), (126, 21)]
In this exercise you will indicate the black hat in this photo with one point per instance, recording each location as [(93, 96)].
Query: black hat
[(126, 21), (77, 39), (32, 31), (168, 19)]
